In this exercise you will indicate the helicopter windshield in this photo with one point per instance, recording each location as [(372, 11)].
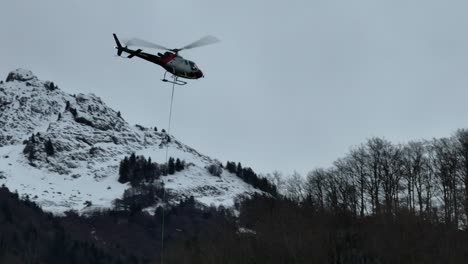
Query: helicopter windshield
[(193, 66)]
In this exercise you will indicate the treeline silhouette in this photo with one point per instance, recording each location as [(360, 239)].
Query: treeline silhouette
[(250, 177), (283, 230), (138, 169), (425, 178), (266, 230)]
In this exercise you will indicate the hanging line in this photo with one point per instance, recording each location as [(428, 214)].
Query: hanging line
[(167, 169)]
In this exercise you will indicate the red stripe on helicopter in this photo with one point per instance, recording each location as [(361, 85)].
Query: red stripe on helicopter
[(169, 58)]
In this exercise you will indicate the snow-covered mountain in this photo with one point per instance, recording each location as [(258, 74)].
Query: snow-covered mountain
[(89, 140)]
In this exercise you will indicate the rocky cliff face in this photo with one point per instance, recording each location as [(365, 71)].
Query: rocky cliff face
[(63, 150)]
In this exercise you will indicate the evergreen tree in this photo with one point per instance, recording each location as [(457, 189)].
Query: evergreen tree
[(247, 175), (239, 170), (123, 171), (155, 129), (163, 169), (250, 177), (171, 166), (32, 154), (179, 166), (156, 172), (49, 148), (148, 169), (118, 114), (132, 159), (231, 167), (138, 169)]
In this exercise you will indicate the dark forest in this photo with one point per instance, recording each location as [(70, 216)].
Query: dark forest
[(380, 203)]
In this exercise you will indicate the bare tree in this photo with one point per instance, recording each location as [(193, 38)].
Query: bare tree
[(445, 162), (374, 148), (358, 160), (415, 171), (391, 165), (461, 140), (348, 193), (295, 187), (315, 187), (352, 178), (277, 178)]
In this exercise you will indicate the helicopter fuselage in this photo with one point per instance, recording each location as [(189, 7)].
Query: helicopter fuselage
[(171, 62)]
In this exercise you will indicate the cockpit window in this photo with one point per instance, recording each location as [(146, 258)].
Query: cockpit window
[(193, 66)]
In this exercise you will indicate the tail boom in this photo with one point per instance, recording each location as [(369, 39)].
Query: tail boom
[(119, 46)]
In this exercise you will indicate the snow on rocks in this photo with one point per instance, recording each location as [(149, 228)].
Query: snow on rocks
[(88, 141)]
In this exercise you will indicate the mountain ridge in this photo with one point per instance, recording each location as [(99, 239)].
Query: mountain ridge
[(88, 140)]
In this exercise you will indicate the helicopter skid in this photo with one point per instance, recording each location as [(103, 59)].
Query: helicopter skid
[(178, 82), (174, 81)]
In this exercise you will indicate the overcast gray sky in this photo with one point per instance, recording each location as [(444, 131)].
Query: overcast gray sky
[(292, 85)]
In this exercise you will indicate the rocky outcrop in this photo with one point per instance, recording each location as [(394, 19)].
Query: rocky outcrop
[(52, 140)]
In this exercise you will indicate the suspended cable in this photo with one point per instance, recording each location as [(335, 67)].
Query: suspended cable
[(167, 168)]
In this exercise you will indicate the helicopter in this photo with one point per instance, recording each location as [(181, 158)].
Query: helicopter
[(171, 61)]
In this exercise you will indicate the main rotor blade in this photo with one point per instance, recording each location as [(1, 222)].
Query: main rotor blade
[(144, 43), (207, 40)]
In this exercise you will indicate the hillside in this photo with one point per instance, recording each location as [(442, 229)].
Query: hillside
[(87, 140)]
